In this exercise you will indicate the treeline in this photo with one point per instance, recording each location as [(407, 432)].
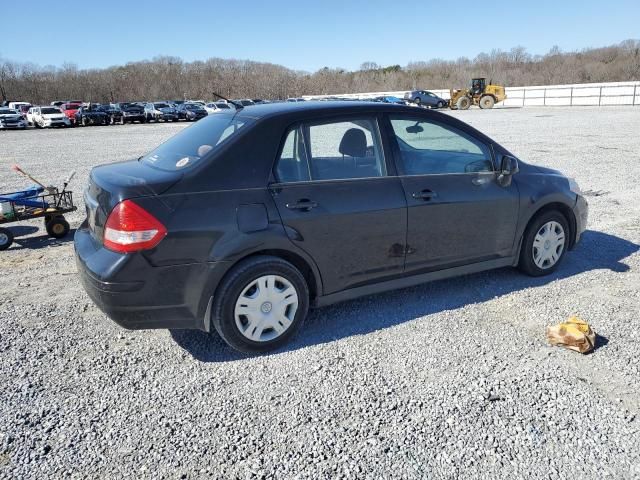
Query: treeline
[(172, 78)]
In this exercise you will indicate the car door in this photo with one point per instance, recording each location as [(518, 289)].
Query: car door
[(457, 212), (338, 201)]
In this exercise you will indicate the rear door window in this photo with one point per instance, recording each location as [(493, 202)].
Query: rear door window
[(345, 149)]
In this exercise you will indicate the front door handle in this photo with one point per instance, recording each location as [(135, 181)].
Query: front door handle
[(304, 205), (425, 195)]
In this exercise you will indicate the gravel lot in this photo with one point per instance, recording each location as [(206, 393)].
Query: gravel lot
[(452, 379)]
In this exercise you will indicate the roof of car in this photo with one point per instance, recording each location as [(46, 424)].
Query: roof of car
[(265, 110)]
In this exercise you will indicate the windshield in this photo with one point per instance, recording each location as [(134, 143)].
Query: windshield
[(50, 110), (192, 106), (222, 105), (6, 111), (190, 145), (71, 107), (160, 105)]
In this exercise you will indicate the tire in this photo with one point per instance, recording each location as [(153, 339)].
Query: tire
[(534, 244), (58, 227), (238, 284), (463, 103), (85, 122), (122, 121), (487, 101), (440, 104), (6, 238), (417, 101)]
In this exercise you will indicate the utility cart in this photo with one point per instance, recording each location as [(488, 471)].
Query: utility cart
[(39, 201)]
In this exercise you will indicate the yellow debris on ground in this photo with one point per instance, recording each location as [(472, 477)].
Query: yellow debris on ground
[(574, 334)]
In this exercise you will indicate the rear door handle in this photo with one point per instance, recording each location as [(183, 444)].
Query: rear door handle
[(425, 195), (304, 205)]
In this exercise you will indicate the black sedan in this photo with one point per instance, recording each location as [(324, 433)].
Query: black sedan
[(113, 112), (132, 112), (191, 111), (242, 222), (91, 115)]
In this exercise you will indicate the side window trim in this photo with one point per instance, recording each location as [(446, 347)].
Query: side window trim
[(397, 154)]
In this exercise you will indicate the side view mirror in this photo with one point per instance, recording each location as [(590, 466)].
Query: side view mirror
[(508, 168)]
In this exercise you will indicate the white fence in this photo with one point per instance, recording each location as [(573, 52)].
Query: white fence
[(595, 94)]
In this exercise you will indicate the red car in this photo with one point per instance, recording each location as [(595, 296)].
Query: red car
[(70, 109)]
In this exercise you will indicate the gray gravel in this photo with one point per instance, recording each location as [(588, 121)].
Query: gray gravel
[(448, 380)]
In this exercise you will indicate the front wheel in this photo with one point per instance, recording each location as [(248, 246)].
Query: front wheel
[(463, 103), (261, 304), (6, 238), (440, 104), (544, 244)]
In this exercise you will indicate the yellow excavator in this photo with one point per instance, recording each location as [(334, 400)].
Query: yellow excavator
[(481, 94)]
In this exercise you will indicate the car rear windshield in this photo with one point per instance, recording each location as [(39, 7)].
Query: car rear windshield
[(192, 144), (161, 105), (222, 105), (6, 111), (49, 111)]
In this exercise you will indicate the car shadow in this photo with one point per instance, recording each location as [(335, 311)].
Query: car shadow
[(596, 251), (41, 241)]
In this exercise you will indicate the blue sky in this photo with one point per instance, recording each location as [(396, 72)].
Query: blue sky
[(303, 35)]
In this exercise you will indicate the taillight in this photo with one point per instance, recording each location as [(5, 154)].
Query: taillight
[(131, 228)]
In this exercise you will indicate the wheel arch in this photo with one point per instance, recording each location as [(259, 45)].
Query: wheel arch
[(560, 207), (306, 267)]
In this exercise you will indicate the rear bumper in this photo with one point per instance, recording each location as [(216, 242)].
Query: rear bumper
[(137, 295)]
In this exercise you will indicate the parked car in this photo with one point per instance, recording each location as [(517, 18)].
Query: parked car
[(21, 107), (91, 114), (217, 107), (17, 105), (350, 206), (390, 99), (70, 110), (132, 112), (160, 111), (245, 102), (191, 112), (44, 117), (11, 119), (426, 98), (113, 113)]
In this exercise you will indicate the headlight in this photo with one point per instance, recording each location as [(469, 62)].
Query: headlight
[(574, 187)]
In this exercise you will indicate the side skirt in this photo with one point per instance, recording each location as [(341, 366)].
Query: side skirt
[(413, 280)]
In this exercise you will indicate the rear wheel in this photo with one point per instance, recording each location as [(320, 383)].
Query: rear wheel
[(261, 304), (57, 227), (544, 244), (463, 103), (6, 238), (441, 104), (487, 102), (417, 101)]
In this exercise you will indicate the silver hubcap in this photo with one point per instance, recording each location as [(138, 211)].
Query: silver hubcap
[(4, 239), (548, 245), (266, 308)]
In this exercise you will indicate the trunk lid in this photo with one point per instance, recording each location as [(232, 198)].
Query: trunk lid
[(113, 183)]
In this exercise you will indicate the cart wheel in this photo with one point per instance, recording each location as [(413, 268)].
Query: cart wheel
[(58, 227), (6, 238)]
